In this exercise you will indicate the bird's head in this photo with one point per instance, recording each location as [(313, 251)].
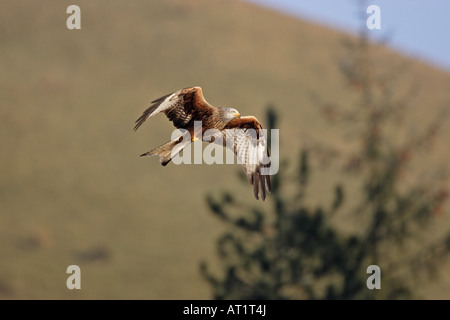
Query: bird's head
[(231, 113)]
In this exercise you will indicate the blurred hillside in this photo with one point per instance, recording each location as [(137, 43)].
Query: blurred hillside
[(73, 189)]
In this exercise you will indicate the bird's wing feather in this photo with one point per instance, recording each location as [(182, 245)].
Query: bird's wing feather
[(181, 107), (245, 137)]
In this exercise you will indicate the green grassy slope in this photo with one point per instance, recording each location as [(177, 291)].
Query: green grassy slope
[(73, 189)]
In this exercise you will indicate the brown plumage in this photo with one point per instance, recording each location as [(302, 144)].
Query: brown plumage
[(188, 105)]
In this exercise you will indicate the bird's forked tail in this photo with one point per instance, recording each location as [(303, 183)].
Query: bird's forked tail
[(168, 150)]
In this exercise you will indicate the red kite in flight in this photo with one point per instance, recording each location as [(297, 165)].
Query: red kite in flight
[(188, 106)]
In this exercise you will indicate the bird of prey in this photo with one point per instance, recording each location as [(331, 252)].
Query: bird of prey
[(188, 106)]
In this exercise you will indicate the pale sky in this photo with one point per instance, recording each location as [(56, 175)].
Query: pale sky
[(417, 28)]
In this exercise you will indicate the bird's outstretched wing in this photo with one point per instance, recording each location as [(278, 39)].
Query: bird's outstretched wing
[(245, 137), (182, 107)]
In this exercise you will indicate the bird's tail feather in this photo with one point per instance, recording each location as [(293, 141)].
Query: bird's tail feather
[(168, 150)]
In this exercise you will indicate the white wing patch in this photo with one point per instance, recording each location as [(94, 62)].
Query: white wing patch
[(166, 104), (251, 152)]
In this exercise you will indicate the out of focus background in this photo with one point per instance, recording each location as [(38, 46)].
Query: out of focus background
[(364, 153)]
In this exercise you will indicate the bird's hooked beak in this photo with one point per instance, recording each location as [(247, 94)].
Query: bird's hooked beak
[(236, 114)]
